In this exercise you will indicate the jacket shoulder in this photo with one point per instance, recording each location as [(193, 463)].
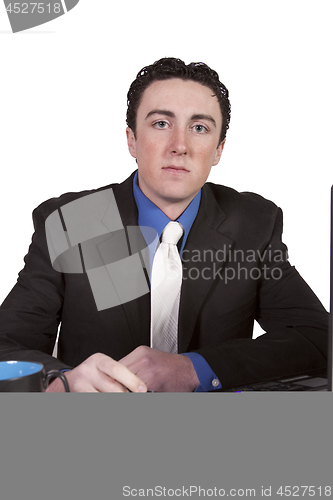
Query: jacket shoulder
[(49, 206), (52, 204), (235, 202)]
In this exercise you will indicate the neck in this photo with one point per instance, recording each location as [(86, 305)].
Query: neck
[(171, 207)]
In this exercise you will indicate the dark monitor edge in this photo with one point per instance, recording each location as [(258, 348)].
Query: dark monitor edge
[(330, 340)]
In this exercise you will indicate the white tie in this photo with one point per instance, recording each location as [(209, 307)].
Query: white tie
[(166, 283)]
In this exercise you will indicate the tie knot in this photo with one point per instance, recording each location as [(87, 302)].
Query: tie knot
[(172, 233)]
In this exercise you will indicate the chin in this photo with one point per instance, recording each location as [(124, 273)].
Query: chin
[(175, 197)]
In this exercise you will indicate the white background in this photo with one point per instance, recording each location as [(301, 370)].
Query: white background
[(63, 102)]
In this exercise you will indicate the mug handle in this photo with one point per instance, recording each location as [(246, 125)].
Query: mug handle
[(56, 374)]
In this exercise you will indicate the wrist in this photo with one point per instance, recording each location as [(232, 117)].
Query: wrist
[(56, 386), (192, 377)]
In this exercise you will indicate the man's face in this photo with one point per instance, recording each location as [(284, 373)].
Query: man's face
[(178, 127)]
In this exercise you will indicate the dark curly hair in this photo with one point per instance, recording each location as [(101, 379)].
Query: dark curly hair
[(170, 67)]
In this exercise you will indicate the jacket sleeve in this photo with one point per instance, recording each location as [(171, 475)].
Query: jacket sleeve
[(31, 313), (295, 322)]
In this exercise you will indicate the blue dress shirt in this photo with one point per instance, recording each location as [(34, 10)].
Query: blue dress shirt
[(151, 216)]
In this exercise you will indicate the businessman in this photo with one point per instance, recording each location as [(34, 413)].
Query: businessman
[(225, 266)]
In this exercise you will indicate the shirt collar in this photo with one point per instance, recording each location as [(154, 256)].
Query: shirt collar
[(151, 216)]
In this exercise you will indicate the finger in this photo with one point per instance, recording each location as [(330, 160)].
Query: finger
[(96, 381), (121, 374), (105, 383)]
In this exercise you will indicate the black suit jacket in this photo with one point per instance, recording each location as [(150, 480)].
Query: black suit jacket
[(235, 272)]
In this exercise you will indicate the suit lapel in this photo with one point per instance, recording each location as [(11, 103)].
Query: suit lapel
[(204, 256), (137, 311)]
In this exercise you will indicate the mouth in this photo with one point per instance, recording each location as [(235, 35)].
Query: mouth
[(174, 169)]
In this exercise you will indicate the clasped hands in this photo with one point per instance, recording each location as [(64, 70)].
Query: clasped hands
[(142, 370)]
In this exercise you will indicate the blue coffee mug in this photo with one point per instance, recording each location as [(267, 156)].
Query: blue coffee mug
[(25, 376)]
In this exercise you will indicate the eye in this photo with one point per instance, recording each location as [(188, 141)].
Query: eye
[(200, 129), (160, 124)]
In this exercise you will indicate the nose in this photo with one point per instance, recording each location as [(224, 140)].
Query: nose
[(179, 144)]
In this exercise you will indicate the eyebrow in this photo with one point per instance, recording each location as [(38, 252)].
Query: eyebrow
[(165, 112), (160, 112), (204, 117)]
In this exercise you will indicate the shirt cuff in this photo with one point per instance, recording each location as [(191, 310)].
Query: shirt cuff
[(207, 378)]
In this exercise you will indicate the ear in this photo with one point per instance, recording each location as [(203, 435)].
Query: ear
[(131, 142), (218, 152)]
